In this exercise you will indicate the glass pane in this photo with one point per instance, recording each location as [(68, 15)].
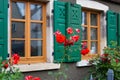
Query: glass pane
[(93, 19), (36, 30), (36, 11), (18, 47), (84, 18), (18, 10), (84, 33), (93, 34), (36, 48), (18, 30), (93, 48)]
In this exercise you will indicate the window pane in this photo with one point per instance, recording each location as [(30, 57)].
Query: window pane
[(93, 19), (18, 47), (84, 33), (18, 30), (84, 18), (93, 34), (18, 10), (36, 48), (36, 30), (93, 48), (36, 12)]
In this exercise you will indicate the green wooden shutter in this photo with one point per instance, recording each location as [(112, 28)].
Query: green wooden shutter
[(3, 28), (59, 24), (74, 21), (111, 27), (118, 29), (62, 20)]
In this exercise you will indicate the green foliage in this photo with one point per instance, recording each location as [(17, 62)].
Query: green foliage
[(9, 73), (109, 60)]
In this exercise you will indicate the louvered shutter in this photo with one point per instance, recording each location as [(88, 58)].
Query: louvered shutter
[(3, 28), (111, 27)]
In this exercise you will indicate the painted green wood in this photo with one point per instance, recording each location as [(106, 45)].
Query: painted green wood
[(59, 24), (66, 15), (74, 21), (118, 29), (111, 27), (3, 28)]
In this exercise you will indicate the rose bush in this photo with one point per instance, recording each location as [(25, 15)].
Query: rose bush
[(68, 41), (110, 59), (8, 71)]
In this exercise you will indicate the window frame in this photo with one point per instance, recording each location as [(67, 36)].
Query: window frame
[(27, 59), (89, 26)]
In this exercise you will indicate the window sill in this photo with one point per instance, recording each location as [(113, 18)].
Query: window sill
[(37, 67), (83, 63)]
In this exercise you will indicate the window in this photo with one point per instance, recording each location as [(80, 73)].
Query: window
[(91, 32), (28, 30)]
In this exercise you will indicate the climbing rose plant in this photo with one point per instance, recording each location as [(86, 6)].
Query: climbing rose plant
[(7, 70), (62, 39)]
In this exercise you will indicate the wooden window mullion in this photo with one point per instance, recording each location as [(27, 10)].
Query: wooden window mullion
[(89, 27)]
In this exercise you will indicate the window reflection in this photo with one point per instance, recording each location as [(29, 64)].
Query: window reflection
[(93, 19), (18, 10), (36, 48), (84, 33), (36, 12), (93, 48), (18, 47), (18, 30), (93, 34), (84, 18), (36, 30)]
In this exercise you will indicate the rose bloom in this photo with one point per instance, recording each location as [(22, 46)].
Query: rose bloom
[(69, 30), (68, 42), (60, 38), (75, 38), (16, 58), (5, 64), (28, 77), (84, 51), (57, 32), (117, 60), (77, 30), (36, 78)]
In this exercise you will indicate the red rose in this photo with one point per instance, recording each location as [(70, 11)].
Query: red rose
[(68, 42), (36, 78), (75, 38), (60, 38), (84, 51), (69, 30), (16, 58), (57, 32), (77, 30), (28, 77), (117, 60), (5, 64)]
